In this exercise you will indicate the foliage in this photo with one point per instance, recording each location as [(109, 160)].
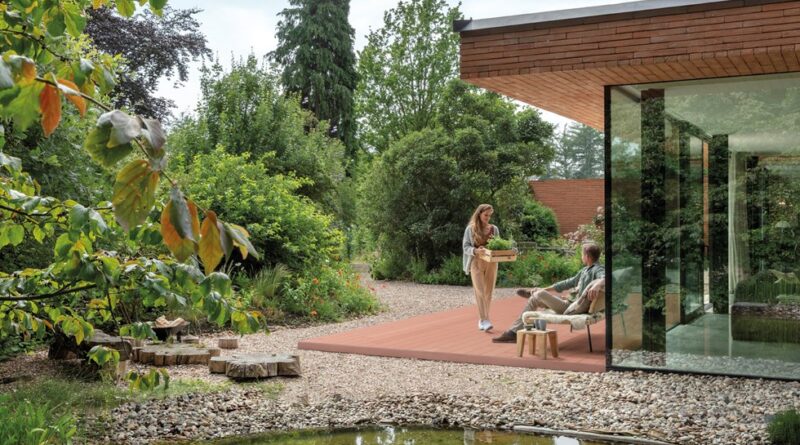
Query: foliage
[(497, 243), (153, 46), (326, 293), (450, 272), (315, 51), (538, 222), (34, 423), (417, 197), (267, 286), (579, 153), (243, 112), (98, 267), (403, 70), (784, 428), (538, 268), (288, 228)]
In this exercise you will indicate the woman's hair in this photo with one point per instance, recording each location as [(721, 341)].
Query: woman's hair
[(479, 237)]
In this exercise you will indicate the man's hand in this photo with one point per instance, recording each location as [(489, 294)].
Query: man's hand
[(596, 288)]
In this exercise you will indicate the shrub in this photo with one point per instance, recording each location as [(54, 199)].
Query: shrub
[(450, 272), (538, 223), (538, 268), (284, 227), (327, 293), (784, 429)]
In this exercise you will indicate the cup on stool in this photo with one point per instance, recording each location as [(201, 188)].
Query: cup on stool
[(540, 325)]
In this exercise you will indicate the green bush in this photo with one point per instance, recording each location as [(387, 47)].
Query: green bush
[(284, 227), (327, 293), (538, 268), (450, 272), (538, 223), (784, 429)]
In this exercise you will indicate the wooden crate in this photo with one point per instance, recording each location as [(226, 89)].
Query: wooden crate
[(498, 256)]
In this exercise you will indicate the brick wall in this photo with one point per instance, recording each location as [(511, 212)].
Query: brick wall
[(563, 66), (574, 201)]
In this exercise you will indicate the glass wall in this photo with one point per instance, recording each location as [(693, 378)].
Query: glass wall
[(705, 226)]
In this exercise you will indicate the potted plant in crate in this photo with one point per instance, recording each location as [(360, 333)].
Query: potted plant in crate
[(499, 250)]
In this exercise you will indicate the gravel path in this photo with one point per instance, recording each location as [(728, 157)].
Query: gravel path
[(339, 390)]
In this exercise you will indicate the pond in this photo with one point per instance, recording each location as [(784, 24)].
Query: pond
[(390, 435)]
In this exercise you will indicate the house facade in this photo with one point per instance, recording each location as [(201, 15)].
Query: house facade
[(700, 104)]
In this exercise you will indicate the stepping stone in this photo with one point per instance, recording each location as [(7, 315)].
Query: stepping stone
[(174, 354), (228, 343), (255, 366)]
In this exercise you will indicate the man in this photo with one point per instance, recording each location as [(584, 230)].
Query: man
[(590, 283)]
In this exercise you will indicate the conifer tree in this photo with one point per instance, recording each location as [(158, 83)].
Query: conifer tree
[(315, 51)]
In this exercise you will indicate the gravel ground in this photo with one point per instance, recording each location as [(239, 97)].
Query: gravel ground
[(338, 390)]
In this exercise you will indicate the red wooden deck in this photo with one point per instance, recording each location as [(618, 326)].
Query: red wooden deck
[(454, 336)]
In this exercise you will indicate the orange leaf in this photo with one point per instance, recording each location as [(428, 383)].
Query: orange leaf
[(72, 92), (180, 225), (210, 249), (50, 105)]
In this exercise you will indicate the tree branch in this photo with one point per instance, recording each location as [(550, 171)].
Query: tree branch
[(58, 293)]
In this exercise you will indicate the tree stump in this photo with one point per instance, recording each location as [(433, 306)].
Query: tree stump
[(64, 347), (255, 366), (191, 339), (166, 328), (175, 354), (228, 343), (216, 365)]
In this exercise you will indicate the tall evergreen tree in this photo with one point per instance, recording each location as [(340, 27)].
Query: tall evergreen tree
[(579, 153), (315, 50)]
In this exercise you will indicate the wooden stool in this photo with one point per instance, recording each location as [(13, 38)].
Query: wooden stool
[(540, 338)]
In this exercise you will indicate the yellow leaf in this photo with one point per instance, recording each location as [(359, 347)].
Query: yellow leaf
[(50, 105), (72, 92), (210, 249), (134, 193)]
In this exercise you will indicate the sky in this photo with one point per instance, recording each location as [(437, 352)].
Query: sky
[(236, 28)]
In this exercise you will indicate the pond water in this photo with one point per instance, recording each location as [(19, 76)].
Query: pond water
[(401, 436)]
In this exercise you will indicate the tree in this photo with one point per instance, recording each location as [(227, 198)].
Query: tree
[(101, 261), (419, 194), (579, 153), (242, 111), (154, 47), (315, 50), (403, 71)]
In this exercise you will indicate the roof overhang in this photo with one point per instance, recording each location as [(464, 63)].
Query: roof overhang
[(561, 60)]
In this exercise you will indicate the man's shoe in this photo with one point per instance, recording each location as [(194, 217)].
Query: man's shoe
[(524, 293), (506, 337), (486, 325)]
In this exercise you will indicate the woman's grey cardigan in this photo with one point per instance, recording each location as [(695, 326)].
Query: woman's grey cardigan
[(469, 246)]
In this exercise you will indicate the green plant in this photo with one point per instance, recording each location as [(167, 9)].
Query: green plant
[(327, 293), (538, 222), (450, 272), (784, 428), (28, 423), (99, 265), (498, 243), (289, 228), (267, 285)]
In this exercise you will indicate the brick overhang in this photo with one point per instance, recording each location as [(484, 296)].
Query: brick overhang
[(561, 61)]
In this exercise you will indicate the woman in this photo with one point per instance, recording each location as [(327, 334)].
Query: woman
[(483, 273)]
